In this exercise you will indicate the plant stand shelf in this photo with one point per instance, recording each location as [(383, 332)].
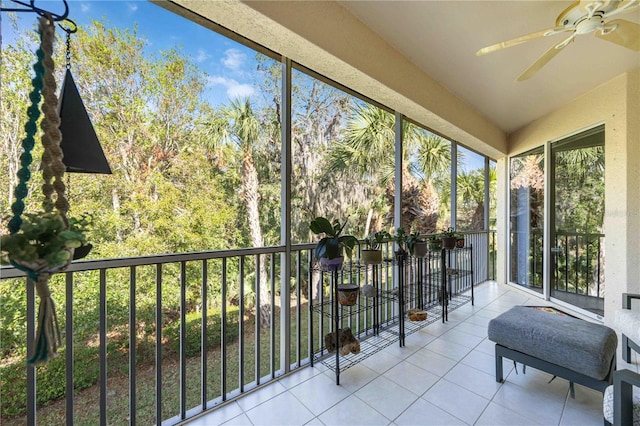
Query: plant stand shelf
[(440, 282)]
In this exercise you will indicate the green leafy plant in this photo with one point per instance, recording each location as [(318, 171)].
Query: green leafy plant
[(333, 243), (43, 235), (435, 242), (375, 239), (406, 241), (413, 239), (449, 233)]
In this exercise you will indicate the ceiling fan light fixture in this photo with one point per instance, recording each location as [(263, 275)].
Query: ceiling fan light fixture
[(582, 17)]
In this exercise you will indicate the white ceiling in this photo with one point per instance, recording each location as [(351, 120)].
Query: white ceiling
[(441, 37)]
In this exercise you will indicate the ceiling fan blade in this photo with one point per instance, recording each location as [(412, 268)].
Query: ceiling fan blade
[(545, 58), (522, 39), (626, 34), (624, 7)]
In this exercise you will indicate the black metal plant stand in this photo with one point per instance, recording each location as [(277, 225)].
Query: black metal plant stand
[(401, 257)]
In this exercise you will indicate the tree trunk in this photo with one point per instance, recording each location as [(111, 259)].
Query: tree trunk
[(252, 198)]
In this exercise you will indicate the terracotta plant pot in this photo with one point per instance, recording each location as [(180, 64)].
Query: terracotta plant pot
[(348, 294), (371, 257), (334, 264)]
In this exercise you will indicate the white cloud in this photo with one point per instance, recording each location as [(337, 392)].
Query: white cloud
[(233, 59), (133, 7), (84, 7), (202, 55), (234, 88)]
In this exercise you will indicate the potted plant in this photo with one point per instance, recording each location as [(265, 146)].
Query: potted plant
[(329, 250), (401, 238), (449, 238), (435, 242), (416, 245), (44, 242), (459, 240), (372, 255)]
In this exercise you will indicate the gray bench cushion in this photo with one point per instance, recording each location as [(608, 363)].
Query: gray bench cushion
[(572, 343)]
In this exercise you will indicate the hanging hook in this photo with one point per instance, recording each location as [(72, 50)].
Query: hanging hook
[(32, 8), (72, 27)]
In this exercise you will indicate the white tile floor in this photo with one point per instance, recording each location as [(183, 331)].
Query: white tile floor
[(444, 375)]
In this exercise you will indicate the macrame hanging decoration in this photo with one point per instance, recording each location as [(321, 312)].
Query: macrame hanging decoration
[(39, 271)]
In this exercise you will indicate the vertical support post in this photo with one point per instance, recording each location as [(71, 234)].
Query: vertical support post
[(487, 197), (241, 320), (132, 346), (204, 347), (68, 329), (336, 321), (454, 184), (31, 369), (397, 200), (285, 217), (487, 210), (183, 340), (547, 230), (223, 330), (310, 299), (159, 343), (400, 258), (103, 347)]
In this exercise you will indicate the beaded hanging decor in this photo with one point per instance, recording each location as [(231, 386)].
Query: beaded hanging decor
[(51, 250)]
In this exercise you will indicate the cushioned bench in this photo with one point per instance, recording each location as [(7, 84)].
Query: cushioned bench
[(568, 347)]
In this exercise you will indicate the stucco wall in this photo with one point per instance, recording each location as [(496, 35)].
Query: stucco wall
[(616, 104)]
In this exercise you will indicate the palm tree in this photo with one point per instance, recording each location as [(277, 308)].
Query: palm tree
[(237, 124), (470, 191), (433, 162), (367, 152)]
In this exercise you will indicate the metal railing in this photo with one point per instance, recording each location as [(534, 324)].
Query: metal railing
[(163, 338), (577, 263)]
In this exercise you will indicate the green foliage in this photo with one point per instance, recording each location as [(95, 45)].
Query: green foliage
[(448, 233), (333, 243), (51, 376), (375, 239), (194, 329)]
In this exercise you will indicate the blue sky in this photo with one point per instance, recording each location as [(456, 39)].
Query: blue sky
[(228, 64)]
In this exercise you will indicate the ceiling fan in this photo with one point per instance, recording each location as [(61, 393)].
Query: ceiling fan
[(582, 17)]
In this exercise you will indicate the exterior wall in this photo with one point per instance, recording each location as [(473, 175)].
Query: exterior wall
[(616, 103)]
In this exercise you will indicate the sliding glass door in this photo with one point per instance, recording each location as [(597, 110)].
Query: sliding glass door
[(526, 220), (577, 215), (571, 267)]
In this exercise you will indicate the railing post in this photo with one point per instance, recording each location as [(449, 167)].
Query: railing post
[(68, 329), (31, 369)]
